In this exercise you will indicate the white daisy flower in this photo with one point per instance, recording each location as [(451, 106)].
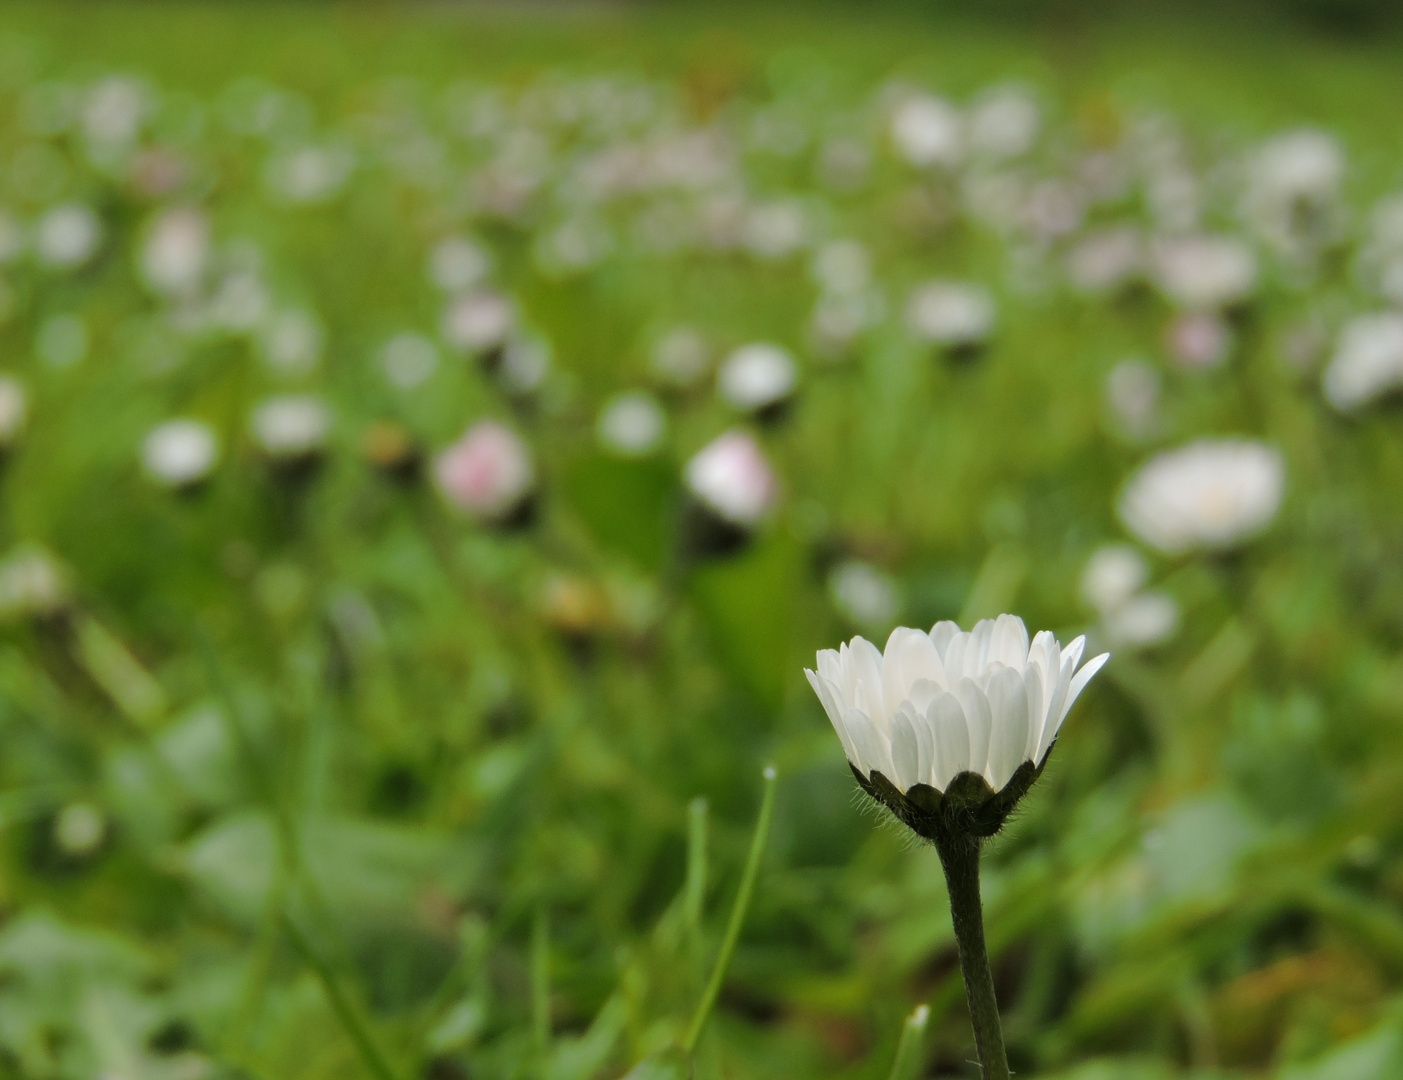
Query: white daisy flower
[(757, 376), (179, 453), (933, 706), (1213, 493), (731, 477)]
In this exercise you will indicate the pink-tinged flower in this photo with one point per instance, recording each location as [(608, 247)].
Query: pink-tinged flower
[(487, 473), (731, 477), (1199, 340)]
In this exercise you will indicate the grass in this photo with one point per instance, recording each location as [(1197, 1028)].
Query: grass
[(463, 765)]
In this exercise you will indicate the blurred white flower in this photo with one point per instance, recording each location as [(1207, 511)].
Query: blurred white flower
[(480, 321), (1052, 209), (1293, 191), (1213, 493), (731, 477), (292, 426), (680, 357), (775, 229), (79, 829), (1368, 361), (1145, 620), (524, 365), (863, 593), (31, 584), (757, 376), (240, 302), (409, 360), (575, 244), (291, 342), (179, 453), (309, 174), (933, 706), (842, 267), (14, 410), (1112, 584), (67, 236), (1113, 575), (928, 131), (458, 263), (1205, 272), (1199, 340), (176, 252), (487, 473), (114, 111), (950, 314), (1106, 260), (838, 319), (632, 424), (1004, 123)]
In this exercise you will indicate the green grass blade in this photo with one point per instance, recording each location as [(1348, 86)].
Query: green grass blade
[(738, 910), (341, 1004), (910, 1051)]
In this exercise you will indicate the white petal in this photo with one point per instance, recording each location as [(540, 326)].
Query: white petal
[(1082, 677), (910, 655), (977, 651), (1074, 689), (947, 720), (835, 711), (1055, 712), (1046, 655), (873, 749), (905, 747), (954, 658), (975, 704), (942, 633), (925, 742), (1008, 643), (830, 666), (1074, 650), (1009, 702), (923, 692), (1037, 709), (865, 677)]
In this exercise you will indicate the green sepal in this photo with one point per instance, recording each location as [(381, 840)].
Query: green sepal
[(968, 806)]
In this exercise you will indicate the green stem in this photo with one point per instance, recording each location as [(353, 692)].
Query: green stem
[(959, 857), (694, 890), (540, 982), (341, 1004), (738, 910)]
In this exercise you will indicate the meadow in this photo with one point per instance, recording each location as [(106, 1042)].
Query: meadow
[(437, 438)]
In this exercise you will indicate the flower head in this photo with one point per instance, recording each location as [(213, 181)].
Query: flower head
[(950, 314), (1368, 361), (757, 376), (487, 473), (1213, 493), (291, 427), (731, 477), (179, 453), (951, 717)]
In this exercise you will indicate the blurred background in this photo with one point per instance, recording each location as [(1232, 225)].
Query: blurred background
[(435, 439)]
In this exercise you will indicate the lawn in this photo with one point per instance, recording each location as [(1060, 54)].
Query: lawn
[(436, 438)]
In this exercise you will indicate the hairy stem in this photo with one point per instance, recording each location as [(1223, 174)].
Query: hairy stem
[(959, 857)]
